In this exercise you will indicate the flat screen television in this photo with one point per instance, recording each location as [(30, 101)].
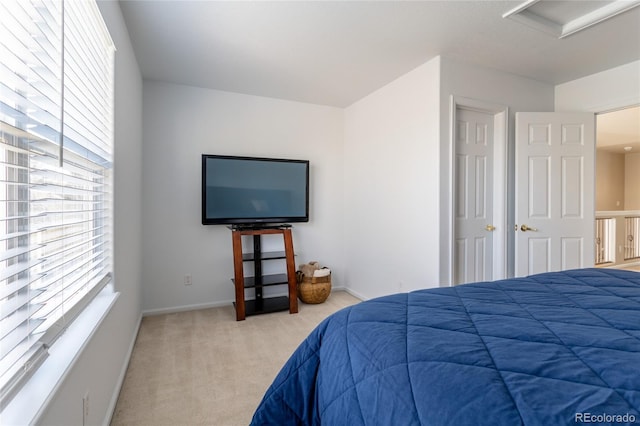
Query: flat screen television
[(254, 191)]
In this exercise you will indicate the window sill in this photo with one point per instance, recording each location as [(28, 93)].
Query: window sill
[(32, 399)]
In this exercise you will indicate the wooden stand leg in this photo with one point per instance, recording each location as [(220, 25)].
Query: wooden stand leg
[(291, 272), (239, 275)]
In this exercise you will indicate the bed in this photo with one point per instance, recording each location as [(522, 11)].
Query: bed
[(549, 349)]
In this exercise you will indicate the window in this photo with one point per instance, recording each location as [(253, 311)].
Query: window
[(56, 138)]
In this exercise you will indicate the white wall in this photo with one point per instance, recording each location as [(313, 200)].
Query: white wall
[(101, 365), (390, 153), (610, 180), (180, 124), (608, 90), (632, 181), (464, 80), (397, 171), (391, 186)]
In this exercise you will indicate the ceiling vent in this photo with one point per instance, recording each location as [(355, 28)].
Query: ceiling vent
[(563, 18)]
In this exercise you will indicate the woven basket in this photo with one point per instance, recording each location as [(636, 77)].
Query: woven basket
[(313, 290)]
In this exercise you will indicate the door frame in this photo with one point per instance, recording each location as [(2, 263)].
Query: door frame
[(500, 179)]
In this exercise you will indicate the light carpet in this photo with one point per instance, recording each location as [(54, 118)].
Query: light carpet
[(205, 368)]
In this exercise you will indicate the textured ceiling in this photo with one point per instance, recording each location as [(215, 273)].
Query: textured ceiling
[(336, 52), (619, 129)]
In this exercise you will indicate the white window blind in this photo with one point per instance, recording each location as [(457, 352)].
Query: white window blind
[(56, 138)]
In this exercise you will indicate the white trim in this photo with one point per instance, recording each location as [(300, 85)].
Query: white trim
[(500, 186), (185, 308), (355, 294), (611, 106), (500, 156), (522, 14), (606, 213), (224, 303), (527, 4), (590, 19)]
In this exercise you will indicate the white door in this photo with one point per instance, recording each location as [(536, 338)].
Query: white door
[(473, 251), (555, 214)]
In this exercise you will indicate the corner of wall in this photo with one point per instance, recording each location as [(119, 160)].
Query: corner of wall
[(604, 91)]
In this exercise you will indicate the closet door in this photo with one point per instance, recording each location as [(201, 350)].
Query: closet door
[(473, 251)]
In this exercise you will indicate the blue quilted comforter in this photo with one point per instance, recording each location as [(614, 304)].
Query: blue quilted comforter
[(550, 349)]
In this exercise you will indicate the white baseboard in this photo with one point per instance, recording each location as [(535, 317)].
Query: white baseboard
[(195, 307), (355, 294), (184, 308)]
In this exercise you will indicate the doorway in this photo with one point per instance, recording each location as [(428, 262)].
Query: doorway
[(618, 188)]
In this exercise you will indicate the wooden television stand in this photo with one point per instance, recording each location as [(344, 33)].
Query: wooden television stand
[(260, 304)]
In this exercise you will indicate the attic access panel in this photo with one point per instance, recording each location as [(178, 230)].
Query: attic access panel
[(563, 18)]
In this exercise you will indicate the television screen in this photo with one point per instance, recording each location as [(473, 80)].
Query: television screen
[(250, 191)]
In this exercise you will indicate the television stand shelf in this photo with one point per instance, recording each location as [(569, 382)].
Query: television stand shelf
[(262, 305)]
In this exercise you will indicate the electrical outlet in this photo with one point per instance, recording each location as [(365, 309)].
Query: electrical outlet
[(187, 279), (85, 408)]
